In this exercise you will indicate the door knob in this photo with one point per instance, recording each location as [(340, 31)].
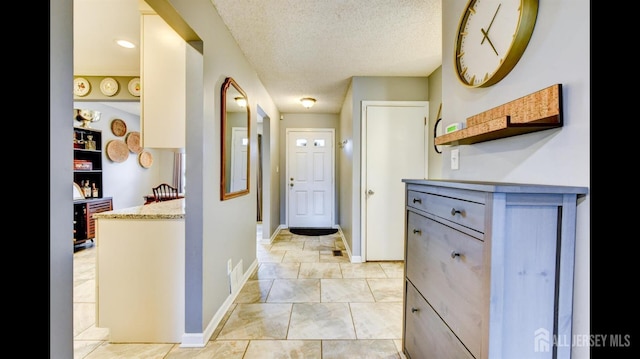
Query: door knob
[(290, 184), (370, 192)]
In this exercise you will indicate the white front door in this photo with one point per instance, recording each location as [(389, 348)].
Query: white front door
[(239, 164), (310, 178), (394, 148)]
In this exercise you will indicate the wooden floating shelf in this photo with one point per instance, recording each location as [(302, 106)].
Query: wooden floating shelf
[(541, 110)]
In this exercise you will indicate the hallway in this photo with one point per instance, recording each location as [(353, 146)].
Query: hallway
[(303, 301)]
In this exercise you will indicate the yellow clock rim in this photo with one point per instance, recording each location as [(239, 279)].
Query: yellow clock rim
[(526, 24)]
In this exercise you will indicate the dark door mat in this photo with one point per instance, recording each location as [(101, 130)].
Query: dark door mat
[(313, 231)]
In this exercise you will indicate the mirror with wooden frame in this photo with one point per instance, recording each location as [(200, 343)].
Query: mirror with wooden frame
[(235, 119)]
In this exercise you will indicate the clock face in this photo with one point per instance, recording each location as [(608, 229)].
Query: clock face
[(491, 38)]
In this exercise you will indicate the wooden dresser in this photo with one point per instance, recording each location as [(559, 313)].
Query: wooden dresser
[(84, 226), (488, 269)]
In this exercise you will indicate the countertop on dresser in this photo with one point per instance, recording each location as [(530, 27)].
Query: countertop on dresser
[(173, 209), (488, 186)]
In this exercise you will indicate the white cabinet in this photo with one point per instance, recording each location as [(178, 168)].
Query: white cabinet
[(163, 77), (488, 269), (140, 273)]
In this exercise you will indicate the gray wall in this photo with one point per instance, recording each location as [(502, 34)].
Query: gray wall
[(60, 178), (558, 52), (216, 231), (270, 176), (345, 172), (435, 101), (225, 230)]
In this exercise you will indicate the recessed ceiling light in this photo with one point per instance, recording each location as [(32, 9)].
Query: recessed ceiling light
[(125, 43)]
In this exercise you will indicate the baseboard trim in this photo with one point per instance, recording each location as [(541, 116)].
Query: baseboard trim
[(352, 258), (199, 340)]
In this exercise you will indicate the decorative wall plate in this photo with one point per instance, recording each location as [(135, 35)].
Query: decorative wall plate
[(118, 127), (145, 159), (134, 86), (81, 86), (109, 86), (133, 142), (77, 192), (117, 151)]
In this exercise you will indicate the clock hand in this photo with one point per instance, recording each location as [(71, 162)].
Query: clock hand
[(488, 28), (486, 36)]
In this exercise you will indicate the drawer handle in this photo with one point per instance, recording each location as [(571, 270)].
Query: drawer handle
[(413, 310), (417, 231), (455, 254), (454, 211), (417, 200)]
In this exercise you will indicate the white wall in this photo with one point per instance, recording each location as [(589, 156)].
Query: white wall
[(558, 52)]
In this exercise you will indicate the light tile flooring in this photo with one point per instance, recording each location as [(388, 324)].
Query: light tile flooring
[(301, 302)]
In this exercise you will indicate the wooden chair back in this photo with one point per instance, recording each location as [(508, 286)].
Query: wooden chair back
[(165, 192)]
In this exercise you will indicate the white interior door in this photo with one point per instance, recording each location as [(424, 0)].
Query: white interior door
[(310, 178), (394, 148), (239, 164)]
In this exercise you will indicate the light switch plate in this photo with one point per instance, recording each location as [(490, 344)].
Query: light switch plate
[(455, 159)]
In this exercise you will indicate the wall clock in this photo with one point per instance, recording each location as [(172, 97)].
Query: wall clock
[(491, 38)]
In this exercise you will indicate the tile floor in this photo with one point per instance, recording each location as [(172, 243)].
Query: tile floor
[(301, 302)]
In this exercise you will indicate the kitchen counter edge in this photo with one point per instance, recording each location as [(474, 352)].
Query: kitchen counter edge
[(173, 209)]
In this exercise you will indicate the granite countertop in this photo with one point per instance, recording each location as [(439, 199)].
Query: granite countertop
[(173, 209)]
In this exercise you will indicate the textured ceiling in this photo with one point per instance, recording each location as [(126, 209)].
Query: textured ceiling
[(299, 48), (312, 48)]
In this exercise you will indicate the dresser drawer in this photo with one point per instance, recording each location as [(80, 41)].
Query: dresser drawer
[(466, 213), (426, 336), (446, 266), (99, 206)]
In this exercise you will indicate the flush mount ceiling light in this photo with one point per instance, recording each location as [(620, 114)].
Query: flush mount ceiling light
[(241, 101), (307, 102), (126, 44)]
